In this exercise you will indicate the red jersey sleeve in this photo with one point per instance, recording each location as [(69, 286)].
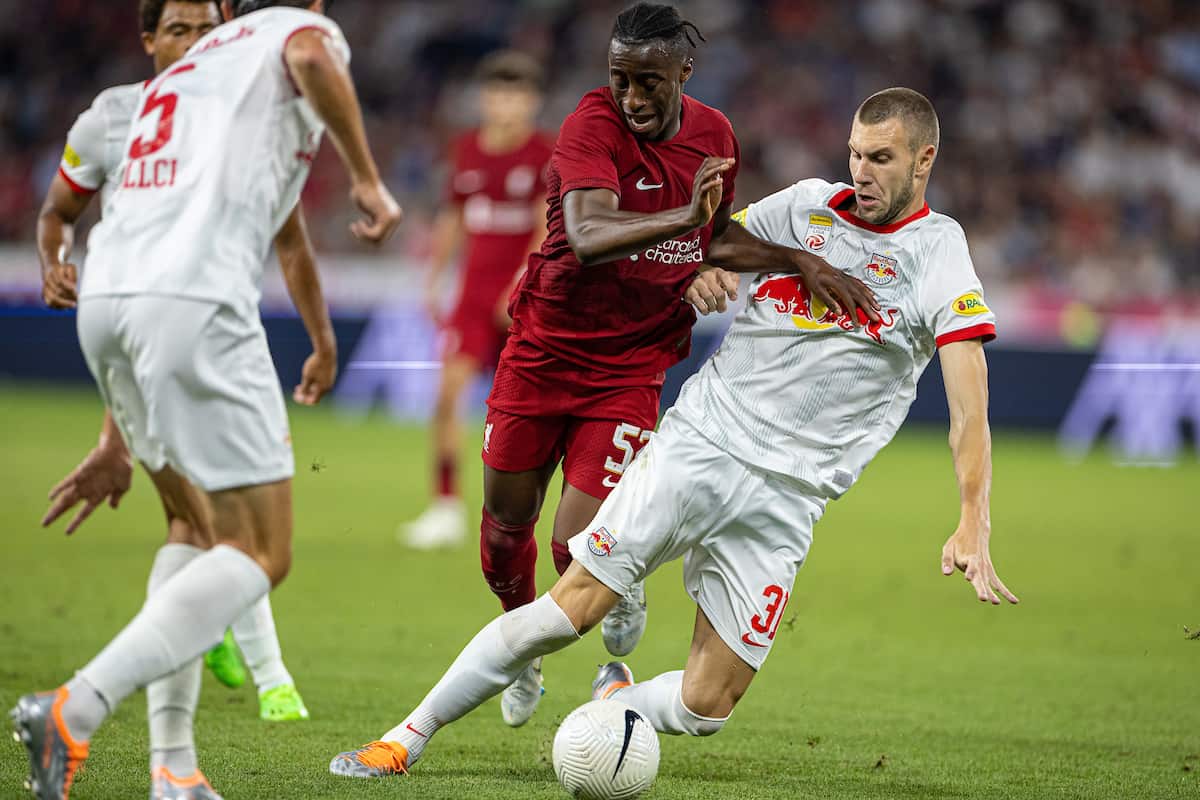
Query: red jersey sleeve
[(586, 153)]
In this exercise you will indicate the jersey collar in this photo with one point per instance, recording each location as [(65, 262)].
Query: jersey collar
[(839, 199)]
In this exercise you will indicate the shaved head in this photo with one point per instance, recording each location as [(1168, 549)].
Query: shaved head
[(913, 109)]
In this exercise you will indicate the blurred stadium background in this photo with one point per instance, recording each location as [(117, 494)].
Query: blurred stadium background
[(1071, 155)]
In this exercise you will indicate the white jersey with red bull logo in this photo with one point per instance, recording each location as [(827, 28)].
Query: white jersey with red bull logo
[(96, 142), (218, 150), (796, 389)]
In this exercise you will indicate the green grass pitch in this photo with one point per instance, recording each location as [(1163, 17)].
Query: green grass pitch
[(888, 680)]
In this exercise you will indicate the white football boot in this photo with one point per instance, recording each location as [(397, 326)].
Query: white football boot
[(520, 700), (443, 524), (622, 627)]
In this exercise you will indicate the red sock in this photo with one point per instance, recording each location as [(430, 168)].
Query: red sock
[(509, 555), (447, 474), (562, 557)]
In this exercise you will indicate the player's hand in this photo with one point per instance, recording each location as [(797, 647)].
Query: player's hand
[(316, 378), (842, 293), (59, 285), (967, 550), (710, 288), (104, 475), (381, 212), (707, 189)]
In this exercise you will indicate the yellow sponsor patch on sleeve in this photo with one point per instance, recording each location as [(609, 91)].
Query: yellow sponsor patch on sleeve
[(969, 304), (740, 216), (820, 219), (70, 157)]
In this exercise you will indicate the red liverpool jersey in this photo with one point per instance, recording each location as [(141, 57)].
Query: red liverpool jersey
[(497, 192), (624, 320)]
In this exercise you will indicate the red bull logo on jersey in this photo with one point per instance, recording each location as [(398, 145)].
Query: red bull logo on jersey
[(788, 295), (600, 541), (881, 270)]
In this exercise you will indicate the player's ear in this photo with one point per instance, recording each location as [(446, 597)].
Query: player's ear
[(148, 43), (226, 10), (686, 72), (925, 158)]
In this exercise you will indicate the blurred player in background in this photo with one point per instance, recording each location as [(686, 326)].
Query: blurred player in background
[(91, 164), (168, 321), (640, 185), (495, 216), (783, 418)]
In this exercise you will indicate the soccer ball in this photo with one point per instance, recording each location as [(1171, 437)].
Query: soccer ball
[(604, 750)]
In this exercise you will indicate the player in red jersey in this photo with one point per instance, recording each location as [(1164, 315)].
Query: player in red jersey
[(640, 185), (494, 212)]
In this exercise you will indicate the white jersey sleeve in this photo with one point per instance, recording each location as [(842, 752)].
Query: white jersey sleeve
[(83, 160), (951, 297), (774, 218)]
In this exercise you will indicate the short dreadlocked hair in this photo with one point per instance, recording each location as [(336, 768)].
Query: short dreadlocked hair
[(649, 22)]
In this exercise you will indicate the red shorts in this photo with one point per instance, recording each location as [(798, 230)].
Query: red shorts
[(473, 332), (543, 412)]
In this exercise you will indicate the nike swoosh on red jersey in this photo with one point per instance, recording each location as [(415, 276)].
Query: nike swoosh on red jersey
[(747, 640)]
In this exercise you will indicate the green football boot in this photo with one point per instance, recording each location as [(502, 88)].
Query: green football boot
[(226, 663), (281, 704)]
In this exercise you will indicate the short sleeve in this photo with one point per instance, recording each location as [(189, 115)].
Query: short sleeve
[(312, 22), (952, 303), (82, 165), (770, 219), (586, 153)]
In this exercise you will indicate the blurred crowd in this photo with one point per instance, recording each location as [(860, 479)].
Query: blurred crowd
[(1070, 129)]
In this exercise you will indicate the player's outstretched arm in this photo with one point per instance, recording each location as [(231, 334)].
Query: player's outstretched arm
[(599, 232), (735, 249), (323, 77), (104, 475), (299, 266), (55, 238), (964, 370)]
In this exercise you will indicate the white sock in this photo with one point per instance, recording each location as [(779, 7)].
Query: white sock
[(185, 617), (660, 701), (255, 635), (171, 701), (488, 664)]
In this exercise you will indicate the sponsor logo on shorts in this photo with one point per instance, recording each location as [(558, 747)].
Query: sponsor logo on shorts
[(601, 542)]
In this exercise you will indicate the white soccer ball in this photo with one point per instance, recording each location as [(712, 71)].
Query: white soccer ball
[(604, 750)]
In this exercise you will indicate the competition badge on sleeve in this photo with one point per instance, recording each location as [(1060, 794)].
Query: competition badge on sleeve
[(820, 227)]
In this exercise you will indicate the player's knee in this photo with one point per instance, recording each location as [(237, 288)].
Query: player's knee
[(511, 512), (182, 531), (277, 564)]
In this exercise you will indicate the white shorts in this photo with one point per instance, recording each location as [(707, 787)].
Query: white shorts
[(742, 532), (191, 385)]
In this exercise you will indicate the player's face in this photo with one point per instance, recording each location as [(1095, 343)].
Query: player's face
[(647, 82), (508, 105), (883, 168), (180, 26)]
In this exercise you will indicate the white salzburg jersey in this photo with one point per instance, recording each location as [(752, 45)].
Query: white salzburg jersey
[(797, 390), (96, 144), (220, 147)]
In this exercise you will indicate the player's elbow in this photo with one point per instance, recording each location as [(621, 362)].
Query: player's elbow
[(583, 247)]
